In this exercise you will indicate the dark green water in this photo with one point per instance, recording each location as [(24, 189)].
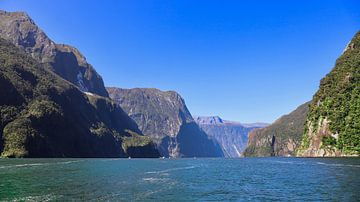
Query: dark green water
[(180, 179)]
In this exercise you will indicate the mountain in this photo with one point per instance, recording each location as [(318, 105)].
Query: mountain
[(43, 115), (255, 125), (164, 117), (333, 122), (64, 60), (281, 138), (232, 136)]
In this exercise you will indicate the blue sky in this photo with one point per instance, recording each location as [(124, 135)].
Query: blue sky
[(245, 61)]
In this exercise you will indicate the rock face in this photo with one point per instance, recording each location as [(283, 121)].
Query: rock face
[(281, 138), (333, 122), (232, 136), (164, 117), (65, 60), (43, 115)]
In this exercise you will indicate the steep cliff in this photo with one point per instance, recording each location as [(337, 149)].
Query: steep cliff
[(43, 115), (231, 136), (164, 117), (333, 122), (65, 60), (281, 138)]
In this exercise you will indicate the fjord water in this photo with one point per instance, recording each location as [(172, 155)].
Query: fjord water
[(180, 179)]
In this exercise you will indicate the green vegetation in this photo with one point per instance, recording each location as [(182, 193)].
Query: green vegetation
[(134, 140), (100, 129), (328, 141), (16, 135), (255, 151), (287, 129), (338, 101), (164, 117), (66, 61), (43, 115), (43, 108)]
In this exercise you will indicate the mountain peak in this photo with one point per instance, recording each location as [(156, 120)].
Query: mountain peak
[(16, 14), (209, 120), (66, 61)]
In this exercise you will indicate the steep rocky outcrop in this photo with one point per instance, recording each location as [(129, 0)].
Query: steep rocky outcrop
[(164, 117), (232, 136), (333, 123), (65, 60), (43, 115), (281, 138)]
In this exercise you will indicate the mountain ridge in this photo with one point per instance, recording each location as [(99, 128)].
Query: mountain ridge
[(163, 116), (213, 120), (332, 126), (232, 136), (43, 115), (65, 60), (280, 138)]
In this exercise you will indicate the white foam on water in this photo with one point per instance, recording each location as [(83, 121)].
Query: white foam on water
[(337, 164), (111, 159), (319, 163), (38, 164), (154, 179), (67, 162), (145, 195), (290, 162), (47, 197), (171, 169)]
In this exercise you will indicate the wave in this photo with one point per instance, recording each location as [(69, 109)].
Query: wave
[(338, 164), (171, 169), (114, 159), (168, 185), (154, 179), (38, 164), (47, 197), (318, 163), (290, 162)]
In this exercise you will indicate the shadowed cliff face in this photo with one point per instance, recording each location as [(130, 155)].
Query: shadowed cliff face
[(43, 115), (164, 117), (281, 138), (333, 123), (66, 61), (231, 136)]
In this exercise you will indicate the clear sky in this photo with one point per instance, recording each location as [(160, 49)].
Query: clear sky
[(245, 61)]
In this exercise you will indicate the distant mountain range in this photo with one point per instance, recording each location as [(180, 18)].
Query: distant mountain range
[(163, 116), (232, 136)]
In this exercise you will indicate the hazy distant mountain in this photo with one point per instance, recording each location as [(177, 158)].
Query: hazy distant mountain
[(43, 115), (255, 125), (232, 136), (281, 138), (65, 60), (333, 123), (206, 120), (164, 117)]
